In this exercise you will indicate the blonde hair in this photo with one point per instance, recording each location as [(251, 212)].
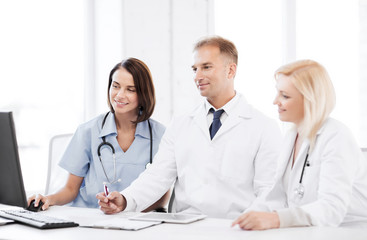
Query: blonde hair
[(313, 82)]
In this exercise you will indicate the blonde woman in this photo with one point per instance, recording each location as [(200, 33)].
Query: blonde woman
[(322, 175)]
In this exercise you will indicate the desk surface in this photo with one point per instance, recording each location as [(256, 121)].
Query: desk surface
[(210, 228)]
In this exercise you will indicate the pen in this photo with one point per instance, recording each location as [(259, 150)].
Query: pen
[(105, 188)]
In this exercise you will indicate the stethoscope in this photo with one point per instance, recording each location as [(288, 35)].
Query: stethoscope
[(300, 189), (107, 144)]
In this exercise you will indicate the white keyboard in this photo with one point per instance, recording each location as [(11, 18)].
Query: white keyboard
[(35, 219)]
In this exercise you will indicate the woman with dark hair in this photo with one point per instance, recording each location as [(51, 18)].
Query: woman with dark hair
[(108, 152)]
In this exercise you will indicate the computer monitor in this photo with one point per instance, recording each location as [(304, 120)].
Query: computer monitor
[(11, 181)]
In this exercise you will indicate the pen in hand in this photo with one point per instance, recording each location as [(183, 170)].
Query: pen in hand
[(105, 188)]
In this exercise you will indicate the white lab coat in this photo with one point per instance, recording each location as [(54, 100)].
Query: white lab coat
[(219, 177), (335, 182)]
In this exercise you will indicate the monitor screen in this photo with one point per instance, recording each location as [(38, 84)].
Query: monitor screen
[(11, 181)]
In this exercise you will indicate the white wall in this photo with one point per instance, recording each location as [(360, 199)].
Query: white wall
[(362, 70), (161, 33)]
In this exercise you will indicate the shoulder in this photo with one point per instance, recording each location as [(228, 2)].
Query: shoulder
[(259, 116), (336, 142), (192, 113), (334, 128), (84, 136), (256, 116), (157, 127), (246, 110), (92, 124), (179, 119), (336, 134), (183, 120)]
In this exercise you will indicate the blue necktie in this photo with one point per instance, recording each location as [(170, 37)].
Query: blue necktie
[(216, 122)]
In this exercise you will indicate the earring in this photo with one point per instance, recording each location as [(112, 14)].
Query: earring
[(140, 108)]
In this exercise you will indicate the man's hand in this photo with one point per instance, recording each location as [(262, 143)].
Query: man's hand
[(113, 203), (257, 221)]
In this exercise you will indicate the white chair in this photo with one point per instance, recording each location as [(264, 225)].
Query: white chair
[(56, 176)]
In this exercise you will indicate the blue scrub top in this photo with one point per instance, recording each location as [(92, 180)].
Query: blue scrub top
[(81, 158)]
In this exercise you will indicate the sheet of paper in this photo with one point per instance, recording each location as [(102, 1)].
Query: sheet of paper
[(168, 217), (4, 221), (120, 223)]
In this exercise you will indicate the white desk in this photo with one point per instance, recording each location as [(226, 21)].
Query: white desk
[(209, 228)]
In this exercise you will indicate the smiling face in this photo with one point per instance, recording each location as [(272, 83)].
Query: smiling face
[(289, 100), (123, 96), (213, 74)]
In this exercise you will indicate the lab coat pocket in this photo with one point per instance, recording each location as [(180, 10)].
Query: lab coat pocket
[(311, 178)]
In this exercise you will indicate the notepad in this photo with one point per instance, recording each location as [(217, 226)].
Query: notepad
[(168, 217), (121, 224), (4, 221)]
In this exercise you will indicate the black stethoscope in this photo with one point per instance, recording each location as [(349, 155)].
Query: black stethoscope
[(300, 190), (105, 143)]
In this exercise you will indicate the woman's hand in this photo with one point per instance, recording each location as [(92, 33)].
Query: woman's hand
[(257, 221), (66, 194), (37, 198)]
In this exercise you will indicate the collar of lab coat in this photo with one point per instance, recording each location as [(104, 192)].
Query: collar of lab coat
[(227, 107), (289, 144), (241, 110), (245, 111)]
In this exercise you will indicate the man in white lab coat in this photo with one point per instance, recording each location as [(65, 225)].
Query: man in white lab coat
[(219, 174)]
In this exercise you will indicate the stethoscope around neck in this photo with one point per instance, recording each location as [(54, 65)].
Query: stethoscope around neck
[(109, 145), (299, 191)]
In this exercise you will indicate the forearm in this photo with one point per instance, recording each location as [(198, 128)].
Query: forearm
[(294, 217), (64, 196)]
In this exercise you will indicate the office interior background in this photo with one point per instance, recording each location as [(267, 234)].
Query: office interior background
[(56, 55)]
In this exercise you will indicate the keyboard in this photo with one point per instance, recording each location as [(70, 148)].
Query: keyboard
[(35, 219)]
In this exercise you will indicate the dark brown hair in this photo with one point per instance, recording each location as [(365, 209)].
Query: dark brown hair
[(225, 46), (143, 84)]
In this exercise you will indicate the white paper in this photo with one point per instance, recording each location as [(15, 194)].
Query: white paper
[(4, 221), (121, 223)]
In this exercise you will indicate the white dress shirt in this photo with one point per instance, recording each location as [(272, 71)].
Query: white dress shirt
[(227, 109)]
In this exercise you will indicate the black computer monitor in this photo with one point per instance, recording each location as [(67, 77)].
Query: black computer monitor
[(11, 181)]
